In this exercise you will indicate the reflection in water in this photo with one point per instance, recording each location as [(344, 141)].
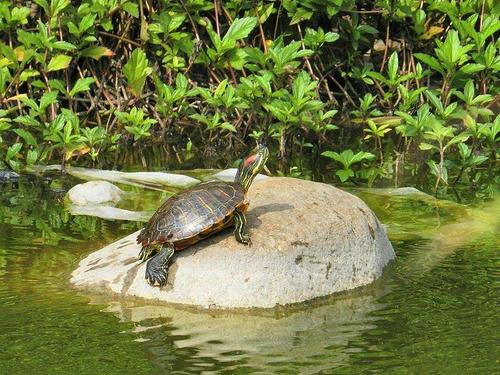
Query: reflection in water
[(316, 336)]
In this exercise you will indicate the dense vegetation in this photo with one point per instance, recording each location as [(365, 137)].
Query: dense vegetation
[(383, 88)]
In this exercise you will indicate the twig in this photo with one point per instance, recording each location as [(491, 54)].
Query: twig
[(261, 30), (277, 21), (346, 94), (216, 12), (122, 38), (481, 17), (195, 29), (308, 64), (374, 11), (386, 46)]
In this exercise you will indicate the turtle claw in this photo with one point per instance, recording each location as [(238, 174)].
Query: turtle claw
[(157, 267), (247, 240), (156, 275)]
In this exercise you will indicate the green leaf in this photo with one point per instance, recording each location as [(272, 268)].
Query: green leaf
[(26, 120), (300, 15), (376, 75), (435, 101), (227, 126), (47, 99), (426, 146), (27, 74), (472, 68), (368, 29), (73, 29), (131, 8), (58, 85), (31, 157), (264, 11), (240, 28), (393, 66), (362, 156), (331, 37), (331, 154), (96, 52), (58, 62), (13, 150), (136, 71), (344, 174), (57, 6), (27, 136), (86, 23), (66, 46), (83, 84), (221, 88), (431, 61)]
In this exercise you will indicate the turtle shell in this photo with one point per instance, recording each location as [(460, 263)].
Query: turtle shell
[(194, 214)]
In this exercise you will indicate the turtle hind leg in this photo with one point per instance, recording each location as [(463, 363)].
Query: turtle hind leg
[(157, 266)]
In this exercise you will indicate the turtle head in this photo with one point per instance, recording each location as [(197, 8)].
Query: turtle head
[(252, 165)]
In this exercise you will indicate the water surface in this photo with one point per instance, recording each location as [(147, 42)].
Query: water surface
[(434, 311)]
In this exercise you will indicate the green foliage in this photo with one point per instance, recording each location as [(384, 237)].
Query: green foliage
[(136, 70), (135, 123), (414, 82), (347, 158)]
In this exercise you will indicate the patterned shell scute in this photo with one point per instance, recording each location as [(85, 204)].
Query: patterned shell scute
[(192, 211)]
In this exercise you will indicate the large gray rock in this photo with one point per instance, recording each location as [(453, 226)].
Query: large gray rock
[(308, 240)]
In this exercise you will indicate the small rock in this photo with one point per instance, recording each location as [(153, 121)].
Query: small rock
[(308, 240), (6, 176), (94, 192)]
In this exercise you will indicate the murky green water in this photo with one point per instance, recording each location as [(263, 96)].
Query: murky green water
[(434, 311)]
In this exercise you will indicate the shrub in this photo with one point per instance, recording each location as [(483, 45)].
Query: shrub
[(82, 79)]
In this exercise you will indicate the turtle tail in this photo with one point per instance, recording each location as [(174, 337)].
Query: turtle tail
[(141, 237)]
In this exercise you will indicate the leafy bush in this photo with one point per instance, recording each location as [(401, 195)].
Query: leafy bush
[(415, 82)]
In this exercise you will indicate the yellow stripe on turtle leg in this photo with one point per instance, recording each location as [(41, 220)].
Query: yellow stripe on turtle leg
[(240, 222)]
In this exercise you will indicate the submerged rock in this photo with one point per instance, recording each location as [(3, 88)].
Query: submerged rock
[(144, 179), (402, 191), (109, 212), (308, 240), (94, 192)]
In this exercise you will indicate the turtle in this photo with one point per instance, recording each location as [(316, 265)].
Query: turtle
[(197, 213)]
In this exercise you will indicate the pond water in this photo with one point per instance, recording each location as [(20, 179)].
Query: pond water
[(435, 310)]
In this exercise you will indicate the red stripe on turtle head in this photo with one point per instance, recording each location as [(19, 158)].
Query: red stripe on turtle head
[(249, 160)]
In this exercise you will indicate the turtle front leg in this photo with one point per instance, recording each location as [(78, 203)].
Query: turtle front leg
[(157, 267), (240, 223)]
